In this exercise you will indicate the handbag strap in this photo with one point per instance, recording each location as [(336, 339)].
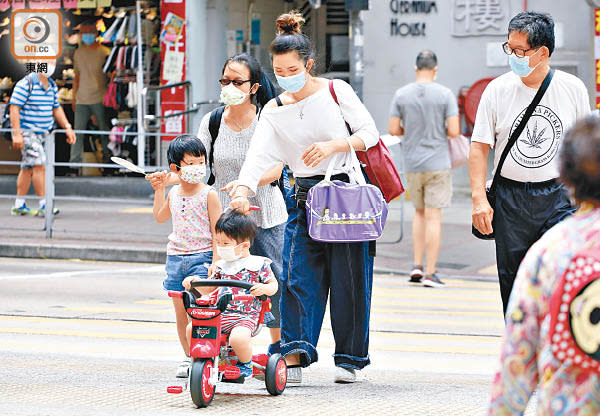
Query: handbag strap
[(517, 132), (334, 95), (352, 166)]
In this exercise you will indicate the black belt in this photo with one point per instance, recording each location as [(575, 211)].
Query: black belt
[(526, 185), (303, 185)]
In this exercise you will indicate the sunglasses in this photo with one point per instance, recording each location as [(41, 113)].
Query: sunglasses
[(236, 82)]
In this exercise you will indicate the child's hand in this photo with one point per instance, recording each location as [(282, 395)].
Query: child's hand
[(258, 289), (187, 282), (158, 180), (211, 270)]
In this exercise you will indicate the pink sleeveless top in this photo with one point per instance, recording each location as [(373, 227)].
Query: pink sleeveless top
[(191, 225)]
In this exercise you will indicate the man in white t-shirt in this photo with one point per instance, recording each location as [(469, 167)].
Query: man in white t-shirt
[(529, 201)]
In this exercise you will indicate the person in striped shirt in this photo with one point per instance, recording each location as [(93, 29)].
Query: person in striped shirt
[(33, 108)]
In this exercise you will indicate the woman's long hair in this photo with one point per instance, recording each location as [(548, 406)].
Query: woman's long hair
[(266, 90)]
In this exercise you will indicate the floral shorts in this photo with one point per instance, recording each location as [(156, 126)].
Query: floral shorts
[(33, 153)]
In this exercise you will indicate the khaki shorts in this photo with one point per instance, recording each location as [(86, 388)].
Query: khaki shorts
[(432, 189)]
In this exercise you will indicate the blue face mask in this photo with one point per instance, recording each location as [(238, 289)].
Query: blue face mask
[(520, 66), (88, 38), (293, 83)]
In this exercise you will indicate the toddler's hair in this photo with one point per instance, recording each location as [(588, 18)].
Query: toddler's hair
[(236, 225), (186, 143)]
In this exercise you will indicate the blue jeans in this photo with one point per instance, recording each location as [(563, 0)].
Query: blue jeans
[(269, 243), (180, 267), (313, 270)]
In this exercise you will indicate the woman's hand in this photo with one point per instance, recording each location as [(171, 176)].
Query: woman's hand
[(231, 187), (319, 151), (241, 204), (211, 270)]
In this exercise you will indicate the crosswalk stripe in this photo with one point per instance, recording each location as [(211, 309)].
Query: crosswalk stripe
[(437, 312), (424, 304)]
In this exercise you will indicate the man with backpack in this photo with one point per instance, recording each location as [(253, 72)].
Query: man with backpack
[(33, 108)]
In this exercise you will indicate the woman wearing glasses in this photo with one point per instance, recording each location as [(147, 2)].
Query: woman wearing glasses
[(245, 89)]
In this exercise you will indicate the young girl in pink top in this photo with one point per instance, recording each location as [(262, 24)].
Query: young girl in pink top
[(194, 208)]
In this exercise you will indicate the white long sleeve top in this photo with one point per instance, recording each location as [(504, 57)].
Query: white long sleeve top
[(282, 136)]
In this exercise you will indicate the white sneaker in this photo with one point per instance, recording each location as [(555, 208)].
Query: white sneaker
[(183, 371), (294, 375), (345, 375)]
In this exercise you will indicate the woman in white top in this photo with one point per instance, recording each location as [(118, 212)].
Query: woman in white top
[(245, 89), (303, 128)]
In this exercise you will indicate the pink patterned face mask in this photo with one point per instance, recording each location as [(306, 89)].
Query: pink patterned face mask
[(193, 173)]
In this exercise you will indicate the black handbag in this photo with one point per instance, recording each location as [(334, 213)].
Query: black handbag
[(490, 193)]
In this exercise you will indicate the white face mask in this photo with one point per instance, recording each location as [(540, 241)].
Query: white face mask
[(231, 95), (193, 173), (227, 253)]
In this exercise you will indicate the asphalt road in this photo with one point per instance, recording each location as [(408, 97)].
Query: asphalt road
[(97, 338)]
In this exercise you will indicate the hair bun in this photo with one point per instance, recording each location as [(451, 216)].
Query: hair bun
[(290, 23)]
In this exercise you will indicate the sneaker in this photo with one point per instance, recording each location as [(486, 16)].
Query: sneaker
[(23, 210), (294, 375), (416, 274), (433, 281), (183, 371), (42, 211), (245, 369), (345, 375)]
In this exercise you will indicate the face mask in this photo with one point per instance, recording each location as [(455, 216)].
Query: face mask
[(230, 95), (227, 253), (193, 173), (49, 69), (293, 83), (88, 38), (520, 66)]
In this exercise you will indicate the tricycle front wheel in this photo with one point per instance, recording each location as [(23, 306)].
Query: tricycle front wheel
[(200, 388), (276, 374)]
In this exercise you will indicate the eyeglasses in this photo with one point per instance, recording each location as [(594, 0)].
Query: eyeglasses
[(236, 82), (518, 52)]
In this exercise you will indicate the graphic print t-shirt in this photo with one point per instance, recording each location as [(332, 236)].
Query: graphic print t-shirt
[(534, 157)]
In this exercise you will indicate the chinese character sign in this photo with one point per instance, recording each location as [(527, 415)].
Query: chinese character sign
[(480, 17)]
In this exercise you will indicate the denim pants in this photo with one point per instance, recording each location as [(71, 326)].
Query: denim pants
[(312, 271), (83, 112), (524, 211), (269, 243)]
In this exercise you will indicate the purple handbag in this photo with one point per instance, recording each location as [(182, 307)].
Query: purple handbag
[(340, 212)]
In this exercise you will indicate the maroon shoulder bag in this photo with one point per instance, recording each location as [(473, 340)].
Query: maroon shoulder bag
[(378, 164)]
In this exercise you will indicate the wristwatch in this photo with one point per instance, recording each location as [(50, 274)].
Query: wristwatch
[(68, 127)]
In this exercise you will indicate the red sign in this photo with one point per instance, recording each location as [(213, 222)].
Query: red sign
[(173, 99)]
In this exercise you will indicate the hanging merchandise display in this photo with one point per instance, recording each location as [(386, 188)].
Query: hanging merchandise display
[(173, 47)]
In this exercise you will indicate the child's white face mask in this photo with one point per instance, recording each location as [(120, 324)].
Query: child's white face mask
[(193, 173), (227, 253)]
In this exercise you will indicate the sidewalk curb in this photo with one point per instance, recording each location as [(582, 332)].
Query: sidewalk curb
[(70, 251), (140, 255)]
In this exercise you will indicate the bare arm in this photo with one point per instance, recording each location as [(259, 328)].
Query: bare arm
[(161, 209), (214, 213), (271, 175), (395, 126), (452, 127), (482, 211), (15, 122), (204, 290)]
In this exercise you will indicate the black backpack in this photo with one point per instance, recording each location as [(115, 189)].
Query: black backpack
[(214, 124), (6, 116)]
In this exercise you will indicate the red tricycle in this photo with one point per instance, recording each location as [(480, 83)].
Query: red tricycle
[(213, 359)]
